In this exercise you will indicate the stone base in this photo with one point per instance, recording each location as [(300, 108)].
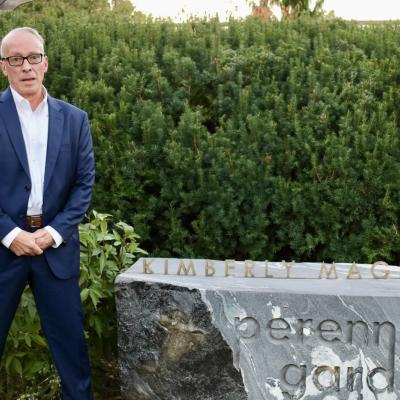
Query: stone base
[(199, 338), (169, 348)]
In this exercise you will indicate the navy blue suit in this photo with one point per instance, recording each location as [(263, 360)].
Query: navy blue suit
[(53, 276)]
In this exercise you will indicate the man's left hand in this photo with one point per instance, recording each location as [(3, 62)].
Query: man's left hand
[(43, 239)]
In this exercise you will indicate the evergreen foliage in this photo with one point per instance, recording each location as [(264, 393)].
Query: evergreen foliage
[(239, 140)]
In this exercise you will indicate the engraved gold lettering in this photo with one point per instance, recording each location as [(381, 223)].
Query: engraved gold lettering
[(146, 266), (186, 270), (248, 269), (166, 266), (354, 273), (229, 266), (288, 267), (385, 271), (266, 267), (330, 273), (209, 268)]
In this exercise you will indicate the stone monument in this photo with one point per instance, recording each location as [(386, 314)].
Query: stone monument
[(208, 330)]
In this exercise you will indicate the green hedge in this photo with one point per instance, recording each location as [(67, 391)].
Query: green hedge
[(239, 140)]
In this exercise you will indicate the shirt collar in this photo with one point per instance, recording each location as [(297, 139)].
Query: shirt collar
[(22, 103)]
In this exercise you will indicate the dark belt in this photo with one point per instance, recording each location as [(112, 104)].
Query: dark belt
[(34, 221)]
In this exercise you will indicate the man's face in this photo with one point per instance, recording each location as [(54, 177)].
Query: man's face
[(26, 79)]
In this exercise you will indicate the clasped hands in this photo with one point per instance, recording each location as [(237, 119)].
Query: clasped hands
[(31, 244)]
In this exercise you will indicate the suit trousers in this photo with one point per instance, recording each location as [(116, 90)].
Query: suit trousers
[(60, 311)]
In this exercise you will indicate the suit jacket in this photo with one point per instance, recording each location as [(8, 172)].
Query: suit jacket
[(68, 180)]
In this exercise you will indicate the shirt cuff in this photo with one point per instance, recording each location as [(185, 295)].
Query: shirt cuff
[(55, 235), (9, 238)]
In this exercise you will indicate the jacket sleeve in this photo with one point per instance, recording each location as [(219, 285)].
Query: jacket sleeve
[(6, 224), (66, 221)]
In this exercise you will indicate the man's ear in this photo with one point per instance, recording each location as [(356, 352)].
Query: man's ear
[(46, 63), (3, 67)]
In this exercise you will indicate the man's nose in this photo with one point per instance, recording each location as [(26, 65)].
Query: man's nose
[(25, 65)]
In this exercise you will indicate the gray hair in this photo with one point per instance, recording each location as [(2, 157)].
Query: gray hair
[(21, 29)]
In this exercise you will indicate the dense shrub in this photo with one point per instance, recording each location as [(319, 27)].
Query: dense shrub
[(245, 139)]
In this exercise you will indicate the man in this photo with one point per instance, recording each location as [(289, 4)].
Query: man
[(46, 179)]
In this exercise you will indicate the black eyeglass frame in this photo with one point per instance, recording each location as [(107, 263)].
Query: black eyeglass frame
[(27, 58)]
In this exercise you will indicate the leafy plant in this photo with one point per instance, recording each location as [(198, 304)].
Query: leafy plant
[(107, 248), (105, 252)]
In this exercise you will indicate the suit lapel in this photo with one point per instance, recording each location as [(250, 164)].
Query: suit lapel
[(8, 113), (56, 121)]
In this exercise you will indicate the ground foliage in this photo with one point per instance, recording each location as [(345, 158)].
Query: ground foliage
[(107, 248), (246, 139)]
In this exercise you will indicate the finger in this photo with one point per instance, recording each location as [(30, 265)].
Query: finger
[(34, 248), (43, 244), (40, 233), (37, 251)]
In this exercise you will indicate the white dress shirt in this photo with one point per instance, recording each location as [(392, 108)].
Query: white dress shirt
[(34, 126)]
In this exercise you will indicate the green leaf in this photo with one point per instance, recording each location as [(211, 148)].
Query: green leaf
[(16, 365), (28, 340), (39, 340), (84, 294)]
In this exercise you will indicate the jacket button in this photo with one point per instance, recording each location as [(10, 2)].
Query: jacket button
[(22, 216), (27, 188)]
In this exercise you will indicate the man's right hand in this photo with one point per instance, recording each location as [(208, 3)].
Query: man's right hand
[(24, 245)]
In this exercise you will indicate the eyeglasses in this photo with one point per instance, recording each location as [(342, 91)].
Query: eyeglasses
[(17, 61)]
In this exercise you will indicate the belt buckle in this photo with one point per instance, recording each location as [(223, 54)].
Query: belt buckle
[(34, 221)]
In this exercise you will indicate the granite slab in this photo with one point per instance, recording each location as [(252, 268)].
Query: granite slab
[(282, 332)]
